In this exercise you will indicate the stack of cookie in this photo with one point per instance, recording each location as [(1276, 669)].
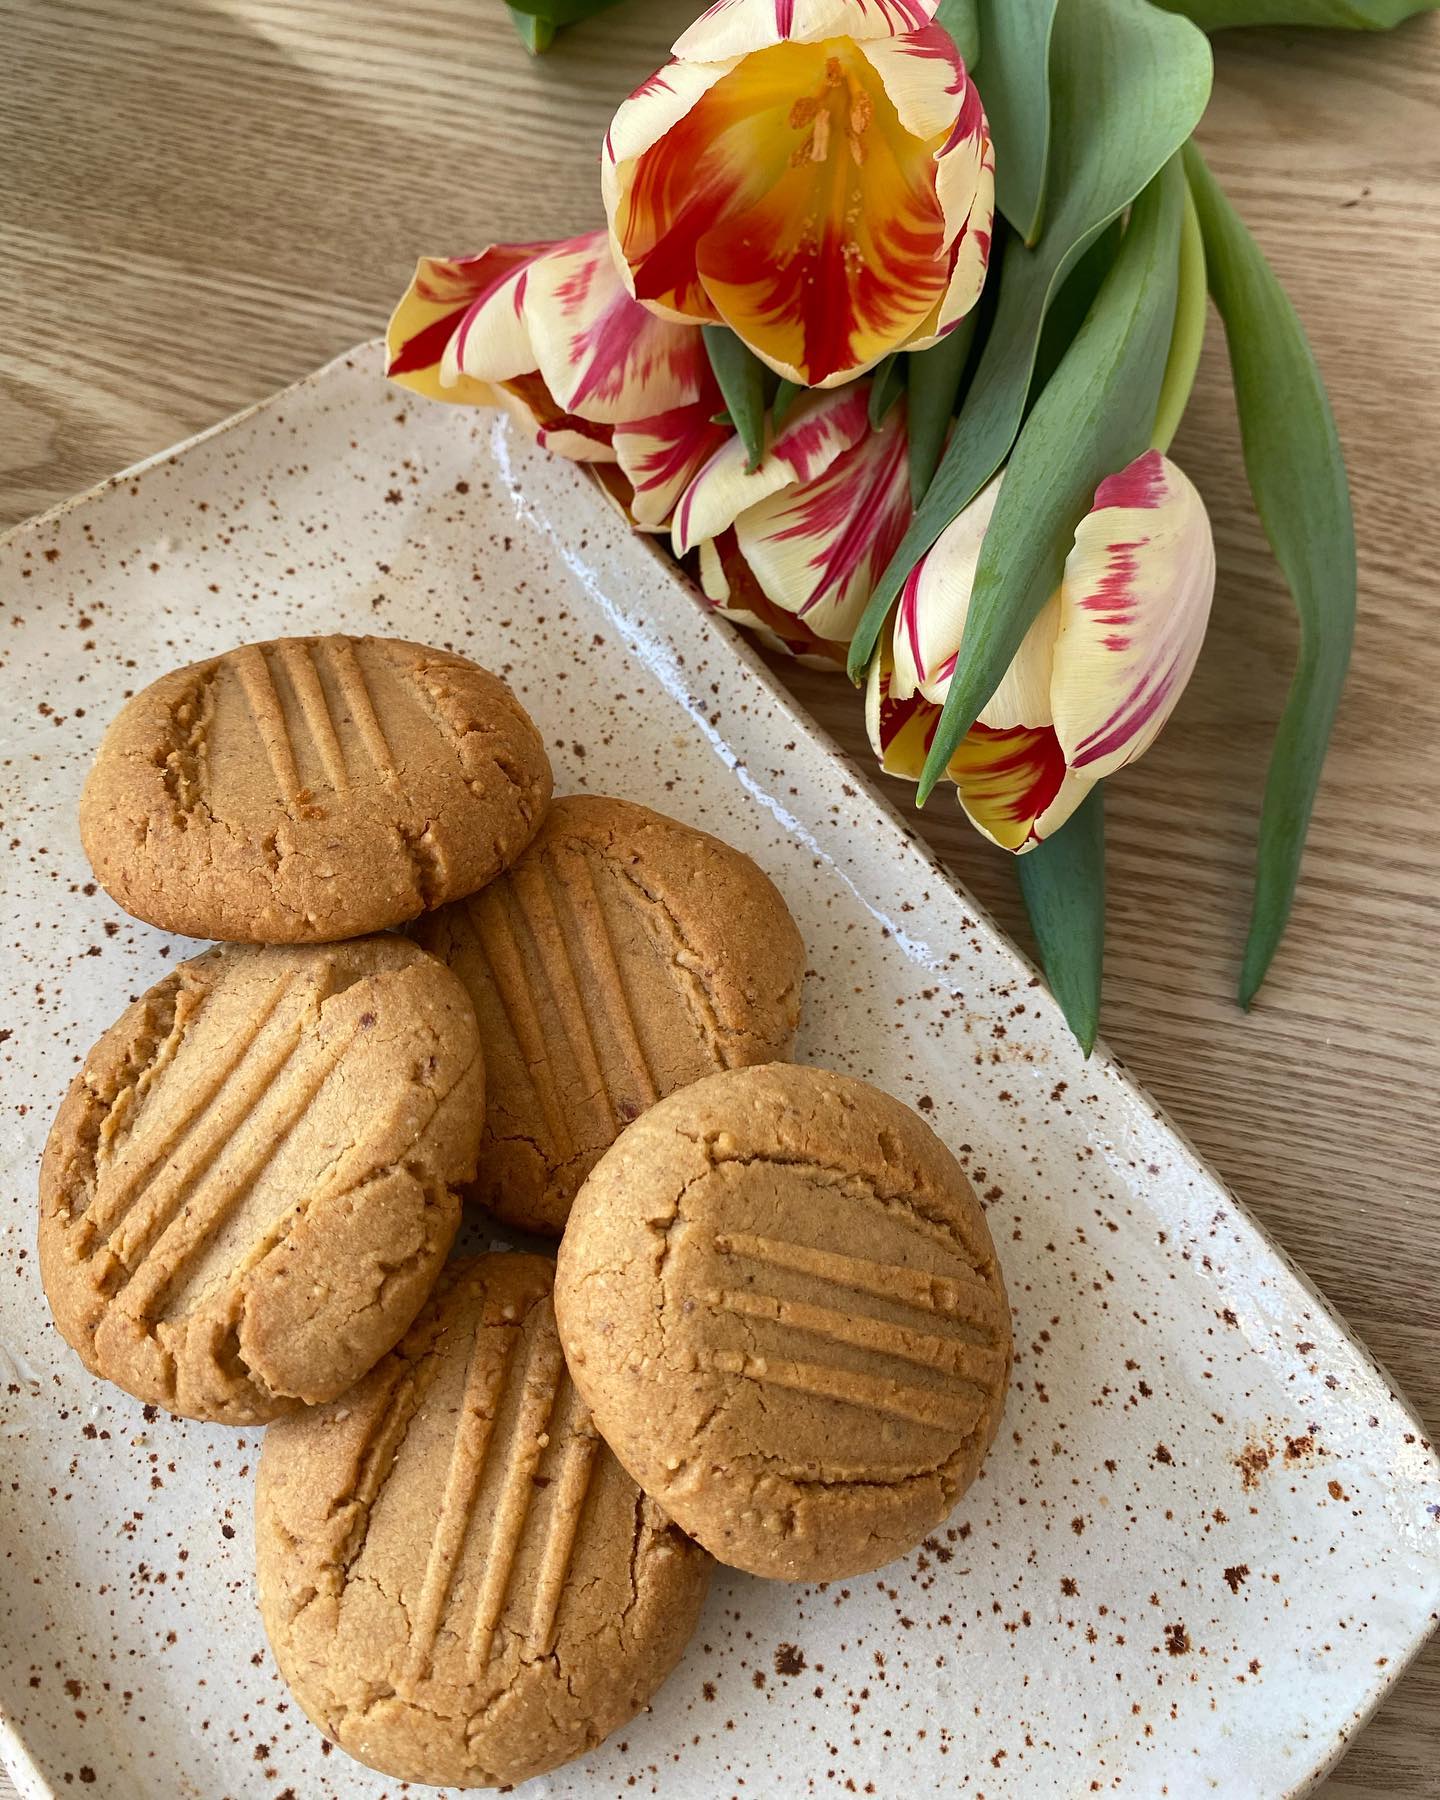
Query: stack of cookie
[(777, 1332)]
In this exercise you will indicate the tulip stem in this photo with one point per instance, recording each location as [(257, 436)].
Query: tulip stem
[(1187, 334)]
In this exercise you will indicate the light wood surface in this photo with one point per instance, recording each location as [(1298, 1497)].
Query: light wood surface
[(202, 199)]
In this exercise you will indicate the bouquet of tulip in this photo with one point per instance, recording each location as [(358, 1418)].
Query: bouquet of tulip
[(898, 367)]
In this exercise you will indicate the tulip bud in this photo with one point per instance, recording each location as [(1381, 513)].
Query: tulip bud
[(549, 333), (1096, 676)]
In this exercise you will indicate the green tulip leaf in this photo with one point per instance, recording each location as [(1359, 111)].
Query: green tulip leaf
[(1016, 35), (559, 12), (1095, 416), (961, 18), (1128, 84), (1063, 883), (934, 378), (1348, 15), (786, 394), (887, 383), (537, 35), (1070, 307), (743, 380), (1297, 477)]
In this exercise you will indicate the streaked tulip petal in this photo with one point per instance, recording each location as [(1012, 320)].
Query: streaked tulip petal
[(714, 579), (817, 548), (732, 27), (965, 184), (930, 622), (491, 340), (662, 456), (933, 94), (816, 430), (900, 727), (1023, 696), (1014, 785), (734, 592), (602, 354), (1134, 604), (931, 611), (644, 197), (926, 79), (431, 311)]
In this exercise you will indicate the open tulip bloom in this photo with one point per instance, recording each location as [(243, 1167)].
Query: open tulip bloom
[(815, 174), (879, 446)]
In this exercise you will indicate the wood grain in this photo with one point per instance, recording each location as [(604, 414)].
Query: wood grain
[(205, 198)]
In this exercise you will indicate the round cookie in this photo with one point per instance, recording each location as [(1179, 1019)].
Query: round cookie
[(623, 956), (311, 789), (249, 1189), (460, 1583), (778, 1294)]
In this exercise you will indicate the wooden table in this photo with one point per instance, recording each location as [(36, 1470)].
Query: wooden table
[(205, 198)]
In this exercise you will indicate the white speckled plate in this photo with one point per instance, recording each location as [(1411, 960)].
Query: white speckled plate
[(1209, 1535)]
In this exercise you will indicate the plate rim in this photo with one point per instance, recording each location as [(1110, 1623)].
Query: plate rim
[(15, 1757)]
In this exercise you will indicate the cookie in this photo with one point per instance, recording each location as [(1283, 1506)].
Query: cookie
[(779, 1297), (460, 1583), (311, 789), (625, 955), (250, 1187)]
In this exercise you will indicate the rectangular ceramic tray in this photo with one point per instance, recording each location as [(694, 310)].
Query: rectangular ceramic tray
[(1207, 1538)]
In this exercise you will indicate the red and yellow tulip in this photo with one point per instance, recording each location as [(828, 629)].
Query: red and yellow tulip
[(549, 333), (815, 174), (795, 546), (1097, 675)]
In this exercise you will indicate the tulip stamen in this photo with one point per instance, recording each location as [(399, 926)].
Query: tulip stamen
[(814, 115), (862, 111)]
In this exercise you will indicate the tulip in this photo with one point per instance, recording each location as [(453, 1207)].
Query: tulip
[(815, 174), (1098, 673), (549, 333), (795, 546)]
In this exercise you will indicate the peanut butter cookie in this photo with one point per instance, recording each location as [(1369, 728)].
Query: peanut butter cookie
[(460, 1583), (623, 956), (311, 789), (778, 1295), (250, 1187)]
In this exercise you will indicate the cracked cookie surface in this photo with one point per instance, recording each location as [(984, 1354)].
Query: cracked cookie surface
[(623, 956), (310, 789), (251, 1184), (779, 1296), (460, 1583)]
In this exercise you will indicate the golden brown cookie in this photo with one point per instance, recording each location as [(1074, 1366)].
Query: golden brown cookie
[(624, 955), (311, 789), (779, 1296), (460, 1583), (250, 1187)]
